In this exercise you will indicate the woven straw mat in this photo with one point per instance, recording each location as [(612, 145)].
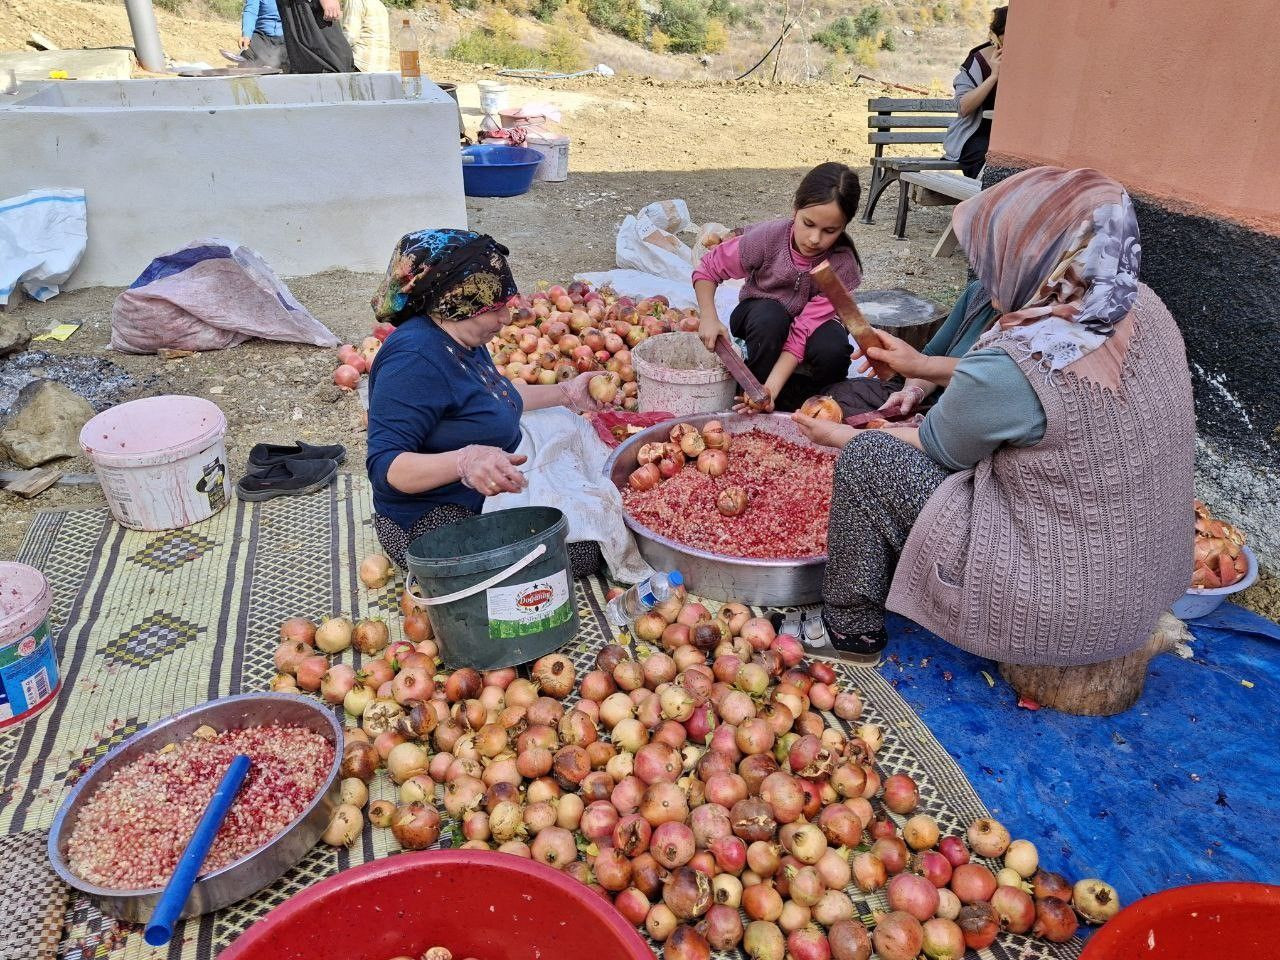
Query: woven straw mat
[(151, 623)]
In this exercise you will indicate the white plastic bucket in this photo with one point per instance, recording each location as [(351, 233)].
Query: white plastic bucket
[(162, 461), (493, 97), (555, 156), (679, 375), (28, 663)]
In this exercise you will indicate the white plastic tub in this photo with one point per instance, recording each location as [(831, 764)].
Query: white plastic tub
[(678, 375), (555, 156), (1200, 602), (162, 461)]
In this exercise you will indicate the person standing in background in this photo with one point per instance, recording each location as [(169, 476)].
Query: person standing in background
[(975, 87), (313, 37), (368, 29), (261, 36)]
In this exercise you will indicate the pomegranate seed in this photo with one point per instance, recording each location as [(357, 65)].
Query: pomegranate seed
[(134, 828), (788, 497)]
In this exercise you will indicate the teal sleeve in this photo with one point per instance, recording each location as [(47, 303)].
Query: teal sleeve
[(937, 345), (988, 403)]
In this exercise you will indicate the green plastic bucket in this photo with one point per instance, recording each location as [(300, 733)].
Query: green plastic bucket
[(496, 587)]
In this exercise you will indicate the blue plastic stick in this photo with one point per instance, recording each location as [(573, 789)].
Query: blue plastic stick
[(160, 926)]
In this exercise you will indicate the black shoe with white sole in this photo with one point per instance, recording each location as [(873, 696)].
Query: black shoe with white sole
[(289, 479), (264, 456), (857, 647)]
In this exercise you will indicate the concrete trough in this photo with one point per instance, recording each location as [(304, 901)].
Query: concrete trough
[(315, 172)]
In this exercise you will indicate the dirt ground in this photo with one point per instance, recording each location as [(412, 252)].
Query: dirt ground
[(634, 141)]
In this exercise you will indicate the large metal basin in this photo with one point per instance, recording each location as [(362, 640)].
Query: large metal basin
[(771, 583), (250, 873)]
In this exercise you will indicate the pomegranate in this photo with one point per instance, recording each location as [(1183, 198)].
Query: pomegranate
[(1046, 883), (979, 924), (686, 943), (988, 837), (973, 882), (934, 867), (892, 853), (954, 849), (1055, 920), (920, 832), (761, 902), (673, 844), (943, 939), (1094, 900), (913, 894), (687, 893), (661, 922), (869, 872), (897, 936), (763, 940), (822, 408), (1015, 908), (901, 795), (849, 940)]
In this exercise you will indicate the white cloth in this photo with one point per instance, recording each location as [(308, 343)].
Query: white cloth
[(566, 471), (43, 235)]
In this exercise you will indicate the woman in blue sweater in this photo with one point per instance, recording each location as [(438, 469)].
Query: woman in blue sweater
[(444, 424)]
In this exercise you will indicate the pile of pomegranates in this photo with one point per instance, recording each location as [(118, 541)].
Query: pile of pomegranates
[(559, 332), (434, 953), (717, 789), (354, 361)]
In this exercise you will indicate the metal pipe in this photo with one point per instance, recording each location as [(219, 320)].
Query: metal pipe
[(146, 35)]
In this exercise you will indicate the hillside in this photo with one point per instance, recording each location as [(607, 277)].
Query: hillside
[(928, 40)]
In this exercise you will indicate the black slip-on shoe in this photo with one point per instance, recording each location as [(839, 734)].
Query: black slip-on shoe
[(263, 456), (864, 648), (288, 479)]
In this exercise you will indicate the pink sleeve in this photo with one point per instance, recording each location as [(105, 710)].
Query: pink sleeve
[(815, 313), (721, 263)]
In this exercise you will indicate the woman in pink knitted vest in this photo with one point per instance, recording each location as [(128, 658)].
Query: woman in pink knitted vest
[(1042, 512), (795, 344)]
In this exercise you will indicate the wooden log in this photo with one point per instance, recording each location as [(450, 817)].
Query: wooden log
[(33, 482), (1095, 689)]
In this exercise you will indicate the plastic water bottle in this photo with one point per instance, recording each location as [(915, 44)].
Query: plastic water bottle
[(410, 70), (626, 608)]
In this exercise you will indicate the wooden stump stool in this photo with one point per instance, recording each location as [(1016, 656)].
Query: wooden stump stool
[(1095, 689)]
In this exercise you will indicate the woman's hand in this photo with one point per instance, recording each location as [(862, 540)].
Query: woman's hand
[(902, 402), (577, 393), (894, 353), (992, 55), (710, 329), (824, 432), (744, 405), (489, 470)]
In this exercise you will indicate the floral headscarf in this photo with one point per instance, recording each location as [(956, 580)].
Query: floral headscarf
[(1059, 252), (447, 274)]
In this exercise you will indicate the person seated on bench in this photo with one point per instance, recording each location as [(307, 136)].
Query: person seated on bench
[(444, 424), (924, 373), (1041, 514), (795, 344), (975, 87)]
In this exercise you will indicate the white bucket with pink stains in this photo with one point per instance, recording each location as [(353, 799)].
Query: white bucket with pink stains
[(28, 660), (162, 461)]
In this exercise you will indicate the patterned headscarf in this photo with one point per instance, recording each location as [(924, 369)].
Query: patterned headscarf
[(446, 274), (1058, 251)]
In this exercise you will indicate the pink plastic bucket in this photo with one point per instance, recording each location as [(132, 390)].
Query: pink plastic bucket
[(162, 461), (28, 663)]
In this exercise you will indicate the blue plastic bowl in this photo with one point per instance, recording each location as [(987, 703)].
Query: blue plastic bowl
[(492, 170)]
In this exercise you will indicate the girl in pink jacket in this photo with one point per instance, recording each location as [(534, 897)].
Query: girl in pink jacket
[(795, 344)]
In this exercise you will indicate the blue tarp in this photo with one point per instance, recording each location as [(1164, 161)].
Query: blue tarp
[(1183, 787)]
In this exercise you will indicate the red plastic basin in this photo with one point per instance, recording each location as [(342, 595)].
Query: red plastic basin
[(1206, 921), (492, 906)]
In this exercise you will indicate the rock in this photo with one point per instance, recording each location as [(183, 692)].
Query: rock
[(14, 335), (328, 393), (44, 424)]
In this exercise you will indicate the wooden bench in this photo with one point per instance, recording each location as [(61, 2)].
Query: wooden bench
[(934, 188), (897, 121)]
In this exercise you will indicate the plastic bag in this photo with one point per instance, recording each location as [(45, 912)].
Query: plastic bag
[(647, 241), (210, 295), (43, 235), (566, 470)]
